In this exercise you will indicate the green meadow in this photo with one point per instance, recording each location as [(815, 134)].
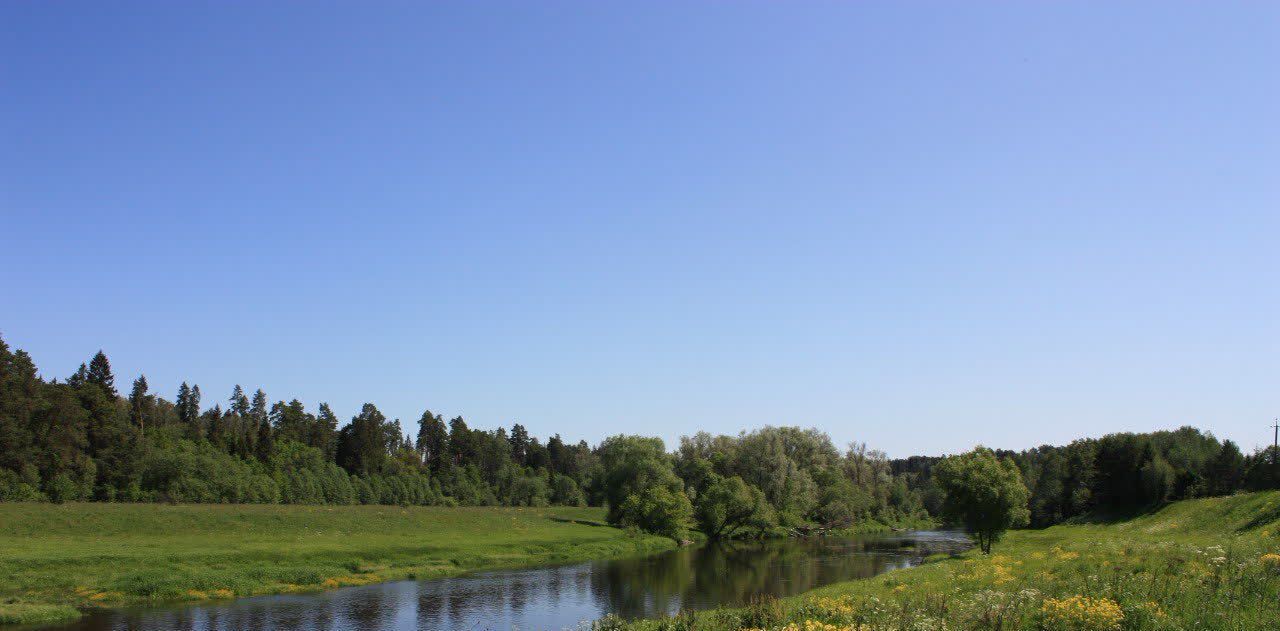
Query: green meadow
[(56, 558), (1196, 564)]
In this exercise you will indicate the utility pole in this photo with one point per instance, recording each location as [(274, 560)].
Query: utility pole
[(1275, 441)]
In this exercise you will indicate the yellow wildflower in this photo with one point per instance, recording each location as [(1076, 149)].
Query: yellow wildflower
[(814, 625), (1082, 613), (831, 607), (1065, 555), (1000, 574)]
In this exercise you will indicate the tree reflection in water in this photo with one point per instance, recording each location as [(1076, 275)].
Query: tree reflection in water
[(728, 573)]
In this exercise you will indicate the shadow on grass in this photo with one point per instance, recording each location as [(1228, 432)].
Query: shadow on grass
[(1104, 516), (583, 522), (1263, 518)]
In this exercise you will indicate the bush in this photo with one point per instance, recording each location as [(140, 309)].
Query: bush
[(529, 491), (13, 489), (198, 472), (565, 492), (729, 505), (657, 510), (62, 489)]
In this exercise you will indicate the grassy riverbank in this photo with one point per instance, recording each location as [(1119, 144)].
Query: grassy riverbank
[(55, 558), (1198, 564)]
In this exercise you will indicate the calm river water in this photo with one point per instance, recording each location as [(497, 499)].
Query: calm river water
[(556, 597)]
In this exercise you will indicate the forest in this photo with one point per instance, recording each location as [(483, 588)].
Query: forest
[(84, 439)]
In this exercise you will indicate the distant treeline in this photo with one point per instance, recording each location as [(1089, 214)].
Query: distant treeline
[(80, 439), (1120, 473)]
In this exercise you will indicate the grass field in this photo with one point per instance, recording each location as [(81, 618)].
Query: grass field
[(1210, 564), (55, 558)]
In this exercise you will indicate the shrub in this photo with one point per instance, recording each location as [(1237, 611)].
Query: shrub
[(657, 510), (529, 491), (62, 489), (13, 489)]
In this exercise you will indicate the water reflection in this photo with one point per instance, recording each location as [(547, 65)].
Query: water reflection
[(554, 597)]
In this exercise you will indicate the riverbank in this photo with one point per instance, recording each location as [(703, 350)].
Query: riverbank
[(57, 559), (1207, 564)]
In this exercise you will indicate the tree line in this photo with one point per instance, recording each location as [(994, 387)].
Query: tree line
[(1119, 473), (80, 439)]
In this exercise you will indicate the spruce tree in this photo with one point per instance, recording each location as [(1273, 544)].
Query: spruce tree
[(519, 443), (138, 404), (239, 402), (100, 373), (254, 423), (215, 420), (79, 377), (265, 443), (193, 403), (258, 411), (182, 404)]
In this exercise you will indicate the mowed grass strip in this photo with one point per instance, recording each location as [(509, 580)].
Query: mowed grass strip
[(54, 558)]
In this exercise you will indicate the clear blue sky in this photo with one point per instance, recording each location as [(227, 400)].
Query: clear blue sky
[(922, 225)]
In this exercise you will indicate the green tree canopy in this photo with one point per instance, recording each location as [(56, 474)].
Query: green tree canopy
[(641, 488), (728, 505), (984, 494)]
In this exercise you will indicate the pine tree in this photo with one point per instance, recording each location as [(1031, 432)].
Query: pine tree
[(460, 444), (362, 444), (324, 434), (433, 440)]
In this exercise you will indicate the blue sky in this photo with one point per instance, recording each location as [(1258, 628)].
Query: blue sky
[(921, 225)]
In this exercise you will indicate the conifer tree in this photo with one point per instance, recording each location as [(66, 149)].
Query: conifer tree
[(324, 434), (139, 404), (182, 404), (362, 444), (259, 408), (215, 421), (239, 402), (461, 447), (79, 377), (433, 440), (100, 373), (519, 443), (193, 403), (265, 443)]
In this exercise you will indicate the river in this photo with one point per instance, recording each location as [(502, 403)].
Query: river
[(554, 597)]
